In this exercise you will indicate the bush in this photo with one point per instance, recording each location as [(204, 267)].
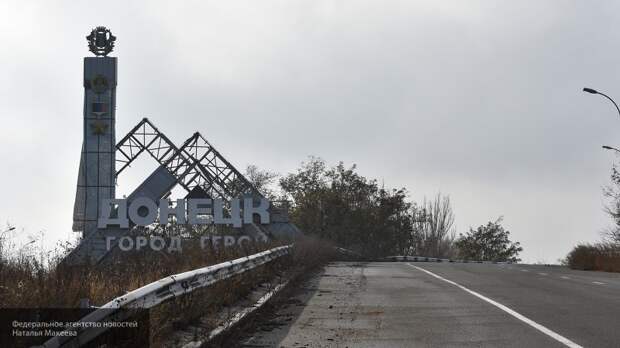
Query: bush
[(595, 257), (488, 242), (354, 212)]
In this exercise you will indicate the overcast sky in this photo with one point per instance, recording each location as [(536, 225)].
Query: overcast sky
[(478, 100)]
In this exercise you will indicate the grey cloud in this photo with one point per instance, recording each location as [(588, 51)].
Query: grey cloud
[(480, 100)]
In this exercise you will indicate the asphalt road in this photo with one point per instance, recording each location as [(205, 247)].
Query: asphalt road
[(400, 304)]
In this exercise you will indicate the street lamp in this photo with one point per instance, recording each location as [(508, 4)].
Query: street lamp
[(593, 91), (610, 148)]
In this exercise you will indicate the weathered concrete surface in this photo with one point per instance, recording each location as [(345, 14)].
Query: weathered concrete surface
[(396, 305)]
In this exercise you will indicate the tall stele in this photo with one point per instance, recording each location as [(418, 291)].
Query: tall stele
[(96, 178)]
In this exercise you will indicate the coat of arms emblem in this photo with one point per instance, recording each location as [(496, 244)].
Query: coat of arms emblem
[(101, 41), (99, 84)]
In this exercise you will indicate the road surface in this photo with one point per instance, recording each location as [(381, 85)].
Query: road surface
[(407, 304)]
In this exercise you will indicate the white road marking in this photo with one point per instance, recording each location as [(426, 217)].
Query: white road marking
[(565, 277), (543, 274), (524, 270), (524, 319), (598, 283)]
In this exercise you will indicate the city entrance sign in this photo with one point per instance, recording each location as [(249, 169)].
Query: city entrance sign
[(195, 166), (144, 211)]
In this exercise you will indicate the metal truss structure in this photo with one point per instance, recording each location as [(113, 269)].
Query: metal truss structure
[(195, 163)]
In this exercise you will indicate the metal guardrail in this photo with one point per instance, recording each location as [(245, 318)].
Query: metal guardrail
[(348, 252), (159, 291), (414, 258), (435, 259)]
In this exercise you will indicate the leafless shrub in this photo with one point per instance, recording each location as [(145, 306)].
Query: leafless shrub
[(595, 257)]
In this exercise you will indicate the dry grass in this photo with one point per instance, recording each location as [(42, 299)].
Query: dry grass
[(32, 279), (595, 257)]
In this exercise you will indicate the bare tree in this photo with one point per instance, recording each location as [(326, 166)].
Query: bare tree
[(612, 192), (263, 180), (433, 227)]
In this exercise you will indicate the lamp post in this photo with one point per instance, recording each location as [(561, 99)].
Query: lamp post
[(593, 91)]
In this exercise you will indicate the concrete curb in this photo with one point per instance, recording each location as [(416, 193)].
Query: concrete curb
[(236, 319)]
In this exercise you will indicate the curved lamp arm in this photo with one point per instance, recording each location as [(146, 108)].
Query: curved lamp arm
[(593, 91)]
